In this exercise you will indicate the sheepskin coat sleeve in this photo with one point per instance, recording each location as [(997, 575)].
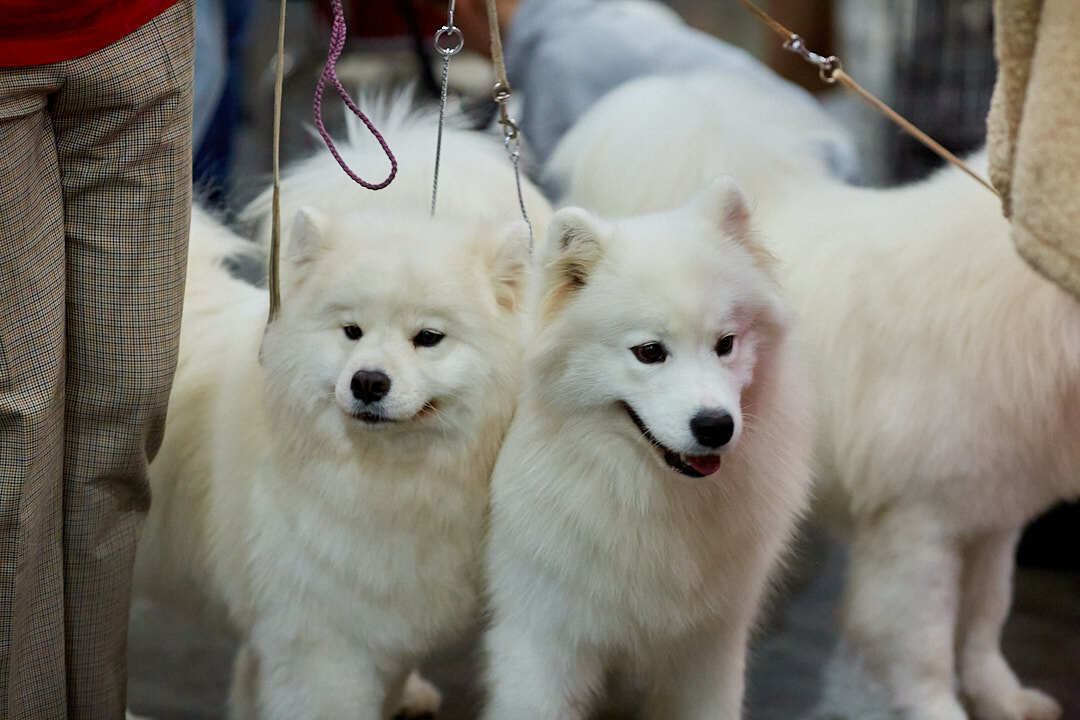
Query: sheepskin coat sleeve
[(1034, 132)]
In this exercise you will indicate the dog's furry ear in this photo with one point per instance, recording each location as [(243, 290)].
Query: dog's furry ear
[(306, 235), (511, 266), (723, 203), (574, 246)]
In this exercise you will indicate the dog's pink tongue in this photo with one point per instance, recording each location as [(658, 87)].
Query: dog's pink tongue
[(704, 464)]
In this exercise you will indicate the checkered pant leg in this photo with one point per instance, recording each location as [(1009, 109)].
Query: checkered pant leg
[(32, 255), (121, 128)]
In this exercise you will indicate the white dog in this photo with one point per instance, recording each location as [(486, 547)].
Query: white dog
[(654, 469), (325, 485), (948, 371)]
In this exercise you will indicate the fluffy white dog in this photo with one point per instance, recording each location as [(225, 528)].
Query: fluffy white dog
[(654, 469), (325, 486), (948, 372)]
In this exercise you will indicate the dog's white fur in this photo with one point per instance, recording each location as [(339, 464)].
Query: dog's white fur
[(341, 552), (602, 558), (948, 372)]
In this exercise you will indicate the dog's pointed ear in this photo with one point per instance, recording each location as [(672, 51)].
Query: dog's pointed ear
[(722, 202), (511, 266), (573, 248), (575, 244), (726, 208), (306, 235)]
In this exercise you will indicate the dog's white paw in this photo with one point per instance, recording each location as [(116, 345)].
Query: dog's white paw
[(1022, 704), (1037, 705), (419, 699), (994, 693)]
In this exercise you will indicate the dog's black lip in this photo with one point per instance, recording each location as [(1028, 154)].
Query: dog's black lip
[(670, 456), (374, 418)]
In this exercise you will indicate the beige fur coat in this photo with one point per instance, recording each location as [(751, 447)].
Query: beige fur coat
[(1034, 132)]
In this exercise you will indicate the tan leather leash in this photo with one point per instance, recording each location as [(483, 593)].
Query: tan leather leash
[(831, 71), (501, 95), (273, 278)]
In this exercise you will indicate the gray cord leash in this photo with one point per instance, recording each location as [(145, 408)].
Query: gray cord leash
[(448, 43)]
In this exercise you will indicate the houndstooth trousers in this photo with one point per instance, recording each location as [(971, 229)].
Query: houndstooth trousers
[(95, 192)]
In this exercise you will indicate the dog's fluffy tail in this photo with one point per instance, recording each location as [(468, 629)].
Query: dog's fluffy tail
[(211, 248)]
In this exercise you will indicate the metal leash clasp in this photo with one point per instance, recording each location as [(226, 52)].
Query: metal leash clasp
[(501, 95), (827, 66), (512, 142), (511, 133)]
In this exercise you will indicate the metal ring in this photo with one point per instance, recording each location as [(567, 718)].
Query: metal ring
[(449, 31), (500, 93), (828, 69)]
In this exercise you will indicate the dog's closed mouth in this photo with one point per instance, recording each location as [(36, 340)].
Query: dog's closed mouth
[(374, 418), (695, 466)]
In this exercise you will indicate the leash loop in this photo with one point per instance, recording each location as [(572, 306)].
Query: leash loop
[(329, 74)]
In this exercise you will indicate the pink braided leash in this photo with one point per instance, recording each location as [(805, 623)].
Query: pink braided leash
[(337, 44)]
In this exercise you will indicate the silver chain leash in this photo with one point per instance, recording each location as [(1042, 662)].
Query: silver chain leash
[(448, 42), (512, 142)]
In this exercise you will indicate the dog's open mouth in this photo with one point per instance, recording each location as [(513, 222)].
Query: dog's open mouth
[(376, 418), (695, 466)]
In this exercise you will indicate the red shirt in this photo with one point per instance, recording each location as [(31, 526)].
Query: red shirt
[(36, 32)]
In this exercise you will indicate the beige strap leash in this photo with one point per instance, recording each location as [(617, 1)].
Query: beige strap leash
[(273, 279), (501, 95), (831, 71)]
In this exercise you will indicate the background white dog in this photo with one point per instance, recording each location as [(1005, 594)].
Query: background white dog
[(325, 487), (653, 471), (948, 371)]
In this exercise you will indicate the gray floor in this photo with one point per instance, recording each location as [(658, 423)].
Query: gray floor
[(179, 671)]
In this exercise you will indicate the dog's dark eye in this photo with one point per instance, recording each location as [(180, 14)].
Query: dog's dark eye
[(353, 332), (427, 338), (650, 353), (725, 345)]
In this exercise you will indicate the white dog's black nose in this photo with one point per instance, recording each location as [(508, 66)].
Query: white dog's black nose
[(369, 386), (713, 428)]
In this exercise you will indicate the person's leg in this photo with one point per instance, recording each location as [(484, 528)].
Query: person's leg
[(31, 401), (123, 132)]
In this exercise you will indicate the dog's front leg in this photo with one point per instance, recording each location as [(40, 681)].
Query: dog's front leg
[(985, 676), (530, 675), (702, 679), (282, 676)]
